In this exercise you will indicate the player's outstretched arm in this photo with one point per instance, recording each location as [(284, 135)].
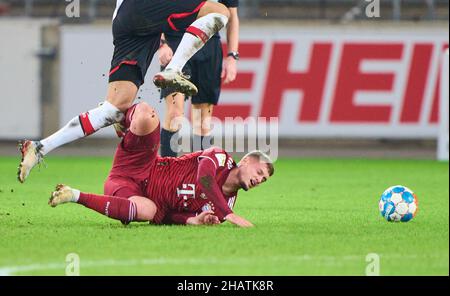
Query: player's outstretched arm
[(205, 178), (238, 220)]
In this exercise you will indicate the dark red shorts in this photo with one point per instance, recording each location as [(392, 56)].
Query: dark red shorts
[(132, 162)]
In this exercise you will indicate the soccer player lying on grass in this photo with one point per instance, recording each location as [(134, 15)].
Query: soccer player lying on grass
[(143, 186)]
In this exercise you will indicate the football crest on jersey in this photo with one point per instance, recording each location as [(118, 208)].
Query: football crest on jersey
[(221, 158), (208, 207)]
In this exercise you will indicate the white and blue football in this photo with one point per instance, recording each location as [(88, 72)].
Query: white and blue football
[(398, 204)]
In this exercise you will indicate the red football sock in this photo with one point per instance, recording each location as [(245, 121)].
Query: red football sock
[(118, 208)]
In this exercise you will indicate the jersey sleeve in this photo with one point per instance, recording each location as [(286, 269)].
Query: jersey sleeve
[(179, 218), (217, 156), (230, 3), (209, 164)]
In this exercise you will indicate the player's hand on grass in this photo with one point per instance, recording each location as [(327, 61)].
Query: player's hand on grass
[(205, 218), (211, 219), (165, 55), (237, 220), (229, 71)]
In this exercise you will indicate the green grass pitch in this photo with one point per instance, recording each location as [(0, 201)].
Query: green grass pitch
[(314, 217)]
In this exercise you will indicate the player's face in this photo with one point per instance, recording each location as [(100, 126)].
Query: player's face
[(252, 174)]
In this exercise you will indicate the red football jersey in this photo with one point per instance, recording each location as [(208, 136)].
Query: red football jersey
[(172, 182)]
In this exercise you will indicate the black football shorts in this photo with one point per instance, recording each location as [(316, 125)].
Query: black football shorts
[(137, 30)]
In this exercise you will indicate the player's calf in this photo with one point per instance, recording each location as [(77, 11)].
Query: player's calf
[(146, 209), (201, 121), (174, 112), (118, 208), (172, 124)]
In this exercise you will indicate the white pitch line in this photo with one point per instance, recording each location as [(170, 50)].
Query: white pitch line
[(11, 270)]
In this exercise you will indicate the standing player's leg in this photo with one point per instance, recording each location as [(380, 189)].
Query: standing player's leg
[(134, 208), (208, 72), (172, 124), (120, 96), (201, 122), (211, 18), (174, 101)]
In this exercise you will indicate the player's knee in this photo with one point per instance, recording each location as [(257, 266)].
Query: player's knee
[(214, 7), (121, 94), (146, 213), (222, 9), (226, 12), (146, 209), (205, 108), (205, 131)]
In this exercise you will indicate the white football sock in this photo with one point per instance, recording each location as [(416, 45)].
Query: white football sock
[(198, 33), (83, 125)]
